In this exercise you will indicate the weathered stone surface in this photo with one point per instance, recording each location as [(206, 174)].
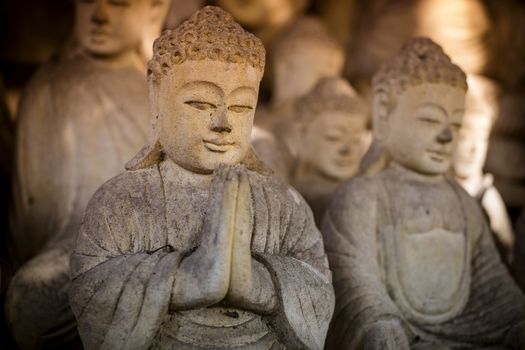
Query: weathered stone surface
[(196, 246), (413, 261)]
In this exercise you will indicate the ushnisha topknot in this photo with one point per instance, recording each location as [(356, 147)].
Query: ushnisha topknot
[(420, 61), (210, 33), (330, 94)]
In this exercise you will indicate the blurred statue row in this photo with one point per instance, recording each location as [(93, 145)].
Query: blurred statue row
[(205, 241)]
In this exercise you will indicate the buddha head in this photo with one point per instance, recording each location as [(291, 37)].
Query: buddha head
[(480, 113), (330, 130), (304, 54), (109, 28), (204, 82), (417, 108)]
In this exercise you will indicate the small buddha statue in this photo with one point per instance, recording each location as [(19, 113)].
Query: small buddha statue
[(267, 18), (302, 55), (328, 137), (195, 246), (470, 155), (413, 261), (80, 118)]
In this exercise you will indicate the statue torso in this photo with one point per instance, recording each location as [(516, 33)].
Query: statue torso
[(186, 202), (80, 123), (425, 247)]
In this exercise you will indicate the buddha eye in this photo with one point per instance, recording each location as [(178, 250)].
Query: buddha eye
[(122, 3), (240, 108), (200, 105), (429, 120), (332, 138), (456, 126)]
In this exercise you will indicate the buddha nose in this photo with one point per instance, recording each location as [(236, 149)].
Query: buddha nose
[(445, 136), (344, 150), (221, 123), (100, 15)]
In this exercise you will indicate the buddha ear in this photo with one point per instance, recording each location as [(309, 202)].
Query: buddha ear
[(153, 92), (380, 114)]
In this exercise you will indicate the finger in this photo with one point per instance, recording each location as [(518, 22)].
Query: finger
[(241, 275), (244, 217)]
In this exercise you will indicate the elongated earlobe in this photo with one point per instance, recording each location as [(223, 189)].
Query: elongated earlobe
[(380, 114)]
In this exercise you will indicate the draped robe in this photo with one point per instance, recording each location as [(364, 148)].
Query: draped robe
[(405, 250), (138, 227), (80, 120)]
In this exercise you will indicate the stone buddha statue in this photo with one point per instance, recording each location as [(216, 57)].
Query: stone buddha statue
[(413, 262), (301, 56), (469, 158), (328, 137), (80, 118), (267, 18), (195, 246)]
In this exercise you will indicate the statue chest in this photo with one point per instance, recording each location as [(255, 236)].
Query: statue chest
[(426, 251)]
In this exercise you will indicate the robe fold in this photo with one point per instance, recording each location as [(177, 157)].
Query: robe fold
[(137, 228), (363, 231)]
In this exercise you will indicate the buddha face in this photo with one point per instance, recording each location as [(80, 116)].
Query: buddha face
[(111, 27), (205, 113), (423, 127), (471, 150), (333, 144)]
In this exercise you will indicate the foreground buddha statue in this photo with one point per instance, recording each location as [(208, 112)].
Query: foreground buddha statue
[(195, 246), (328, 137), (469, 158), (81, 117), (414, 265)]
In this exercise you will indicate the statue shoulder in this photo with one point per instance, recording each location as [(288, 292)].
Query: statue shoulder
[(361, 188), (125, 187)]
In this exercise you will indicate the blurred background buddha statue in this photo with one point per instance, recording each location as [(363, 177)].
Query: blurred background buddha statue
[(327, 136), (469, 159), (81, 117)]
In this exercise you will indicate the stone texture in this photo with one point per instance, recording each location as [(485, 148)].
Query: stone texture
[(196, 245), (80, 118), (414, 266)]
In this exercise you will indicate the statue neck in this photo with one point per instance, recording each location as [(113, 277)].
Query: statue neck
[(127, 59), (405, 173), (173, 172)]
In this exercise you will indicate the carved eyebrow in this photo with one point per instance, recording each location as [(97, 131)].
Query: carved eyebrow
[(433, 105), (202, 83), (241, 88)]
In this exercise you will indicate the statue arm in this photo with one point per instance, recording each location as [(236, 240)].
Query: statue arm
[(499, 219), (300, 278), (120, 292), (44, 148), (501, 314), (350, 232)]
